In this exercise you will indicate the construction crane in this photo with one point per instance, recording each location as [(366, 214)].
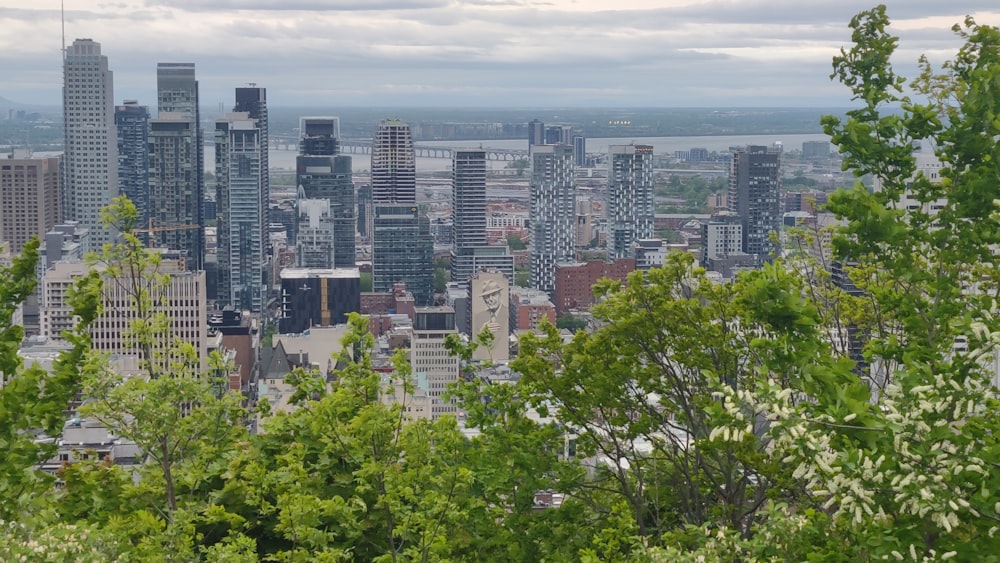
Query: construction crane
[(151, 230)]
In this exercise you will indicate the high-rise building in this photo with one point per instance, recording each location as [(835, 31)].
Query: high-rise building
[(394, 168), (580, 150), (536, 133), (754, 185), (175, 204), (253, 101), (402, 244), (29, 197), (317, 297), (470, 251), (403, 251), (176, 178), (90, 160), (239, 179), (631, 210), (553, 217), (132, 121), (321, 173)]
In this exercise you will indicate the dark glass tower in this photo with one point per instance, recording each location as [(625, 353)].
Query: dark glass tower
[(132, 121), (321, 173), (177, 182), (403, 251), (754, 194)]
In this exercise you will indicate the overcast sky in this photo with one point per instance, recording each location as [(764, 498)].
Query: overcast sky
[(499, 53)]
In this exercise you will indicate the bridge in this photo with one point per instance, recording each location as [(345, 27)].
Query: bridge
[(355, 146)]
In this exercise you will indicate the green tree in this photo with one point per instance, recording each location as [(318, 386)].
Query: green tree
[(515, 242)]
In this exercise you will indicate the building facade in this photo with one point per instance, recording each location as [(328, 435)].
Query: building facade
[(394, 168), (239, 179), (403, 251), (575, 282), (132, 121), (253, 101), (434, 367), (470, 251), (313, 297), (177, 154), (553, 217), (314, 235), (631, 210), (29, 197), (322, 173), (90, 158), (489, 304), (754, 195)]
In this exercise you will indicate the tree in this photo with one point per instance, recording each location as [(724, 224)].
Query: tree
[(515, 242)]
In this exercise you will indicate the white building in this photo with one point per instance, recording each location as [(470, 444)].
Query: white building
[(91, 146), (433, 366)]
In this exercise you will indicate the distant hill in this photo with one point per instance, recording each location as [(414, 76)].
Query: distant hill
[(7, 104)]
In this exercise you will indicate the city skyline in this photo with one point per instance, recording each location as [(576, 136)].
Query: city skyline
[(474, 53)]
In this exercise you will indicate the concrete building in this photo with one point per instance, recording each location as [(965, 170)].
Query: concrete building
[(470, 252), (132, 121), (528, 307), (536, 133), (318, 297), (177, 206), (754, 195), (66, 242), (575, 282), (553, 221), (433, 366), (182, 300), (314, 235), (322, 173), (29, 198), (253, 101), (90, 159), (240, 178), (631, 210)]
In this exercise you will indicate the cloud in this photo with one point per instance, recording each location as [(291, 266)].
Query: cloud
[(473, 52)]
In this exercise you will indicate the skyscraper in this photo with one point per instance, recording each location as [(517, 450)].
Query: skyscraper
[(239, 179), (176, 176), (536, 133), (553, 217), (132, 121), (29, 197), (253, 101), (630, 198), (470, 251), (90, 160), (402, 245), (754, 184), (321, 173), (394, 165)]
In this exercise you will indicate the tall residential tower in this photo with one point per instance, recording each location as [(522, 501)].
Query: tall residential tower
[(470, 252), (553, 217), (132, 121), (323, 174), (630, 198), (754, 184)]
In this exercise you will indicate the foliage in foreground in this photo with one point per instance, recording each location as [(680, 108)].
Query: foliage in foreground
[(778, 418)]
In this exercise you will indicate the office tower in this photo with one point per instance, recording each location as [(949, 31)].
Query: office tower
[(402, 245), (90, 160), (553, 221), (239, 179), (433, 366), (176, 176), (132, 121), (470, 252), (317, 297), (754, 183), (182, 302), (630, 198), (536, 133), (365, 212), (559, 135), (394, 168), (253, 101), (323, 174), (403, 251), (580, 150), (29, 197), (314, 236)]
